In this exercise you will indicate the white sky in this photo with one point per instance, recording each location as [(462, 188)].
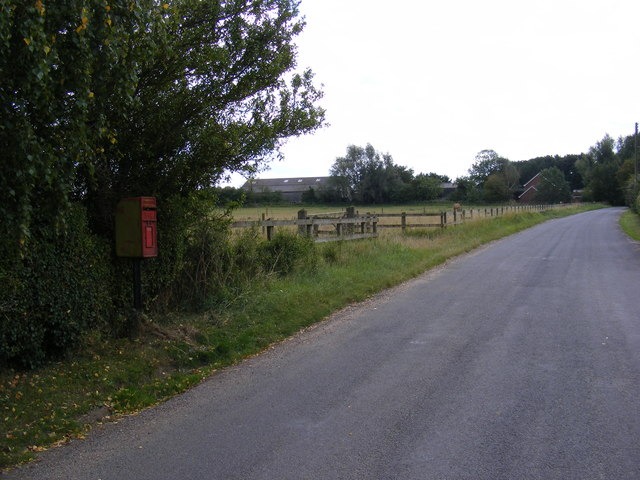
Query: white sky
[(434, 82)]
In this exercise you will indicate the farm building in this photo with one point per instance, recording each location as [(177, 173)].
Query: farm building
[(291, 188), (448, 188), (530, 189)]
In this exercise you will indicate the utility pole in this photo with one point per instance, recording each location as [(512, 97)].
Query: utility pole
[(635, 149)]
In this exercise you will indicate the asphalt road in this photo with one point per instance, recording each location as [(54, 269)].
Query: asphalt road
[(518, 361)]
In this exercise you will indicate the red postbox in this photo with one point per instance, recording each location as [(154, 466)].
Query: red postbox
[(136, 227)]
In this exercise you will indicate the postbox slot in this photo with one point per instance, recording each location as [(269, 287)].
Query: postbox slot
[(148, 237)]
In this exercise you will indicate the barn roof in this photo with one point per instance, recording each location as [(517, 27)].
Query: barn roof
[(533, 180), (290, 184)]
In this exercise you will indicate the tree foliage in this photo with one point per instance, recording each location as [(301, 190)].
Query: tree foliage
[(66, 68), (496, 189), (365, 175), (103, 100), (426, 187), (487, 163), (599, 168)]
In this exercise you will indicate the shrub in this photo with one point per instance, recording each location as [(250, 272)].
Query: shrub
[(188, 235), (631, 193), (288, 252), (54, 293)]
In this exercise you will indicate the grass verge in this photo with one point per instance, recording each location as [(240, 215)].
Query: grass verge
[(630, 223), (107, 378)]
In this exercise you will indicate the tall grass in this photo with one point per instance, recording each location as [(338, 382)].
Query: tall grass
[(630, 223)]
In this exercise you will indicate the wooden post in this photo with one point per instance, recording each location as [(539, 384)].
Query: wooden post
[(351, 213), (302, 215), (269, 232), (263, 217), (455, 216), (404, 222)]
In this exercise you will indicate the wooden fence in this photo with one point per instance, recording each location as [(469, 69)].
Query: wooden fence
[(454, 217), (347, 225), (351, 225)]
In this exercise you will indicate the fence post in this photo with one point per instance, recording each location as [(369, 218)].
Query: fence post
[(302, 215), (263, 218), (351, 213), (455, 216), (404, 222), (269, 232)]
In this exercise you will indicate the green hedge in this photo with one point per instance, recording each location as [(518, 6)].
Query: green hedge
[(67, 282), (54, 292)]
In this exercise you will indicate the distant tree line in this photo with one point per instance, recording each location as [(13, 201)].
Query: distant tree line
[(367, 176), (364, 175), (603, 174)]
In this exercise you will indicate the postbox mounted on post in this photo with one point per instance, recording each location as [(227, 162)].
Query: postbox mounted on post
[(136, 237), (136, 227)]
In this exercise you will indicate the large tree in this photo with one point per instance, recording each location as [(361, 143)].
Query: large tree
[(426, 187), (220, 96), (496, 175), (599, 168), (487, 163), (496, 188), (128, 97), (365, 175)]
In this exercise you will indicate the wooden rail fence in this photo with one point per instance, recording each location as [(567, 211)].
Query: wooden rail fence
[(347, 225), (351, 225)]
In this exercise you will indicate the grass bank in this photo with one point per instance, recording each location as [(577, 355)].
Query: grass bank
[(108, 378), (630, 223)]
